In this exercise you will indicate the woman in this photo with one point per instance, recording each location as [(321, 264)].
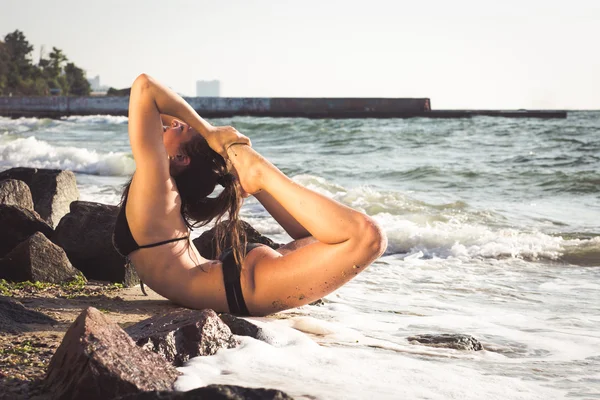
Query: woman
[(178, 166)]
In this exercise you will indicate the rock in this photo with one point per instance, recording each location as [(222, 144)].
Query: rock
[(206, 244), (13, 316), (37, 259), (85, 234), (183, 334), (52, 190), (17, 225), (449, 340), (213, 392), (242, 327), (98, 360), (15, 193)]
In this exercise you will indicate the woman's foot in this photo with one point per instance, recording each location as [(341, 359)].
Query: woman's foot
[(221, 138), (247, 166)]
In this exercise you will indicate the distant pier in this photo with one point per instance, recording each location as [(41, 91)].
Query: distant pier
[(215, 107)]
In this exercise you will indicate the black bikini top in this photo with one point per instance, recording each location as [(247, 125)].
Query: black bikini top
[(123, 240)]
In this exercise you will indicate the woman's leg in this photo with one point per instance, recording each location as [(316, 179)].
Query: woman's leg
[(347, 241), (280, 214), (296, 244)]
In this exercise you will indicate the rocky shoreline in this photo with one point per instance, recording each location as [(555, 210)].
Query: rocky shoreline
[(66, 296), (47, 353)]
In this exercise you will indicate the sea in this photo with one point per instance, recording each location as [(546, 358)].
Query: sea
[(494, 232)]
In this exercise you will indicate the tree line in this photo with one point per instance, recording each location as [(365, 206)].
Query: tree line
[(51, 75)]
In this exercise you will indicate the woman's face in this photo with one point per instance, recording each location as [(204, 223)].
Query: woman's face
[(175, 134)]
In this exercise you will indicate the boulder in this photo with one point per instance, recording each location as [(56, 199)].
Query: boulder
[(183, 334), (17, 225), (37, 259), (207, 247), (85, 234), (98, 360), (15, 193), (14, 316), (242, 327), (449, 340), (213, 392), (52, 190)]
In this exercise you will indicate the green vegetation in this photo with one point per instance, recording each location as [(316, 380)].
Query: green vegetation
[(52, 75), (9, 288), (24, 347), (17, 355)]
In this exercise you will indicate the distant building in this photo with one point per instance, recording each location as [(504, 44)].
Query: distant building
[(97, 89), (95, 83), (208, 88)]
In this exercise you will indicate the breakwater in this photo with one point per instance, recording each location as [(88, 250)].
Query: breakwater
[(215, 107)]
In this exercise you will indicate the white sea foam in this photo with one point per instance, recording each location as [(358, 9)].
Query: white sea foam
[(21, 121), (456, 239), (31, 152), (307, 371), (355, 346), (21, 125), (97, 119)]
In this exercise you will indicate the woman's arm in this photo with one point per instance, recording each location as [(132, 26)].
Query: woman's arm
[(167, 119), (170, 103)]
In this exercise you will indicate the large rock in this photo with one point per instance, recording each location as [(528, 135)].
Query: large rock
[(242, 327), (85, 234), (183, 334), (37, 259), (98, 360), (207, 245), (14, 316), (17, 224), (449, 340), (15, 193), (213, 392), (52, 190)]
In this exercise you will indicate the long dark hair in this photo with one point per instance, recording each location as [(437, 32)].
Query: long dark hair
[(206, 170)]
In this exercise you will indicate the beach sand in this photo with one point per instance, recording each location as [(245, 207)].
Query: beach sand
[(24, 356)]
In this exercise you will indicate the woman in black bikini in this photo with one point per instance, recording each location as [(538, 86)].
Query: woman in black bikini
[(178, 165)]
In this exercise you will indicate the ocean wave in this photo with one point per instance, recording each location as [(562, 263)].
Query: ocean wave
[(97, 119), (585, 252), (21, 125), (578, 182), (22, 121), (34, 153), (373, 202), (456, 239), (320, 185), (455, 230)]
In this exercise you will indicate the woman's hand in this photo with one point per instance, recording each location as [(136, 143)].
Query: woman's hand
[(219, 139)]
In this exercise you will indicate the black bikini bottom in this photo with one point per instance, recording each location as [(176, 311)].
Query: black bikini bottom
[(231, 278)]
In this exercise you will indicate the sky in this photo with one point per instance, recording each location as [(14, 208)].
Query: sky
[(506, 54)]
